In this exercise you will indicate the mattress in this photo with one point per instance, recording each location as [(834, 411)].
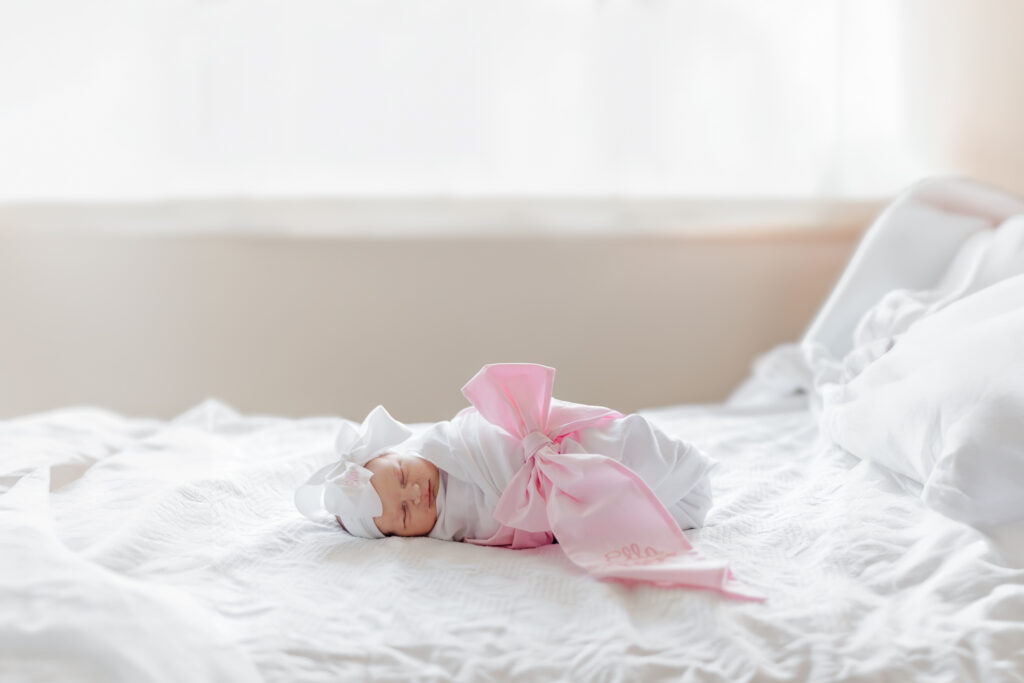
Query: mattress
[(150, 550)]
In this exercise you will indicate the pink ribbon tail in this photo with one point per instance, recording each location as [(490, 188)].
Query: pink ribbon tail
[(609, 522)]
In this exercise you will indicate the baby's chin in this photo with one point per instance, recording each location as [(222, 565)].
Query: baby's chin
[(427, 532)]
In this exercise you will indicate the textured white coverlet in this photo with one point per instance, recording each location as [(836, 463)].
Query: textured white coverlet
[(166, 538)]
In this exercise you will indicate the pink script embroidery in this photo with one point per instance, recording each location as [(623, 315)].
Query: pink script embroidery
[(633, 555)]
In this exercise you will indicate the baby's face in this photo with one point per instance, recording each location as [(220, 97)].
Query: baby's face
[(407, 486)]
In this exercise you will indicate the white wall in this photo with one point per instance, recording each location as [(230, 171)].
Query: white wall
[(963, 66)]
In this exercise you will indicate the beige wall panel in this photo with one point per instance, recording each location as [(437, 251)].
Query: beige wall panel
[(150, 325)]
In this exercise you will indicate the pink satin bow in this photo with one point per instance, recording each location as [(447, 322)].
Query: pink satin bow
[(606, 519)]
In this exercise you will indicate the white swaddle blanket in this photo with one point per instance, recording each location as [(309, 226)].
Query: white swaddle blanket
[(478, 460)]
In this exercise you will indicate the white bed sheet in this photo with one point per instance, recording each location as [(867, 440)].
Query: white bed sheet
[(171, 551)]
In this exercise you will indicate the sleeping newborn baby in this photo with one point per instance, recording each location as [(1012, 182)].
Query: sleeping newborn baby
[(446, 481), (520, 469)]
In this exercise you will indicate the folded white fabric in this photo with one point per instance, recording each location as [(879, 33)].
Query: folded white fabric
[(908, 247), (945, 405), (983, 259)]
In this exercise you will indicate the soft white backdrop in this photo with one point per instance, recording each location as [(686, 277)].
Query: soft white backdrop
[(133, 100)]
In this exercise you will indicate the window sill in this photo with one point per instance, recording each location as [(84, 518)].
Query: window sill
[(425, 218)]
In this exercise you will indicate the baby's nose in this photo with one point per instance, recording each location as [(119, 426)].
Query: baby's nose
[(414, 493)]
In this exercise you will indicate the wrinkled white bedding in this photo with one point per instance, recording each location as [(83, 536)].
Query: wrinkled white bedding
[(171, 551)]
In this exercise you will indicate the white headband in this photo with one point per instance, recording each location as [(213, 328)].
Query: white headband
[(343, 488)]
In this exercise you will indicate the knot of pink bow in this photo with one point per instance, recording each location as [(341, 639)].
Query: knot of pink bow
[(533, 442)]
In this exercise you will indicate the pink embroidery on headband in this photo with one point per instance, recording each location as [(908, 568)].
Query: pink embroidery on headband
[(351, 477)]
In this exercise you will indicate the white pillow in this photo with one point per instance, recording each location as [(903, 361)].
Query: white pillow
[(983, 259), (945, 406)]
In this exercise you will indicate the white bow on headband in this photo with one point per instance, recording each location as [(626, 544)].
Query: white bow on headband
[(343, 488)]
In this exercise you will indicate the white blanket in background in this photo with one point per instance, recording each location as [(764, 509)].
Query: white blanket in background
[(171, 551), (939, 241), (908, 247), (985, 258), (945, 406)]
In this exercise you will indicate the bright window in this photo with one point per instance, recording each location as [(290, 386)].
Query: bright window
[(129, 100)]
